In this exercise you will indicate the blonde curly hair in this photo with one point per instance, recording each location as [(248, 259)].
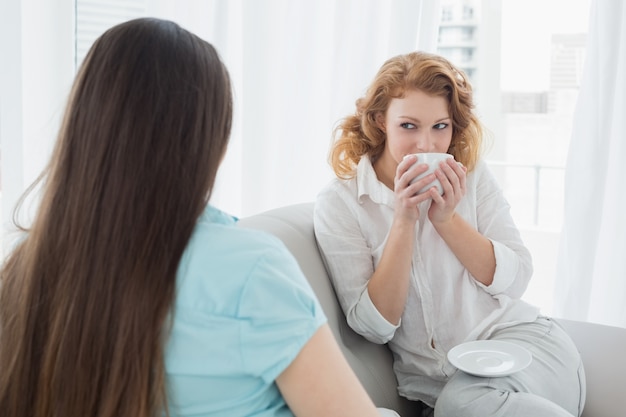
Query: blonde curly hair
[(359, 134)]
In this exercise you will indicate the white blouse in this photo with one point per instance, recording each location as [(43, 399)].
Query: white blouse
[(445, 305)]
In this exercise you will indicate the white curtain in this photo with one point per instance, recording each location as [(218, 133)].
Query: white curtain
[(36, 71), (591, 272), (297, 67)]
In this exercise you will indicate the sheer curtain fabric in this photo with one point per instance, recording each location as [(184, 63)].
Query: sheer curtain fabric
[(297, 68), (591, 269)]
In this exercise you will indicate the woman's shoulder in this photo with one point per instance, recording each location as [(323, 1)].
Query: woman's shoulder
[(220, 231), (479, 167), (339, 185), (337, 191), (218, 243), (483, 174), (222, 259)]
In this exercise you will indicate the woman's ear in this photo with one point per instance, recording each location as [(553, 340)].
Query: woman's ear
[(380, 121)]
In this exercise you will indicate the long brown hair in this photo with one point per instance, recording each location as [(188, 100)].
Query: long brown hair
[(359, 134), (85, 297)]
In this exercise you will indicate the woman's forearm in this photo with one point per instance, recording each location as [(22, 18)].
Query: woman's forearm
[(388, 287), (471, 248)]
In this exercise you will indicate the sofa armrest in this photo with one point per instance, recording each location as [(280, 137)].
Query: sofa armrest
[(603, 350)]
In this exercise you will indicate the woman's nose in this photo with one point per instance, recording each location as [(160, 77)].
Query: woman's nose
[(423, 142)]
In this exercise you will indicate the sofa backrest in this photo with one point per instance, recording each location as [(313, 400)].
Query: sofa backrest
[(372, 363)]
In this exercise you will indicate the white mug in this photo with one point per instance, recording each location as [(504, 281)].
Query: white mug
[(432, 159)]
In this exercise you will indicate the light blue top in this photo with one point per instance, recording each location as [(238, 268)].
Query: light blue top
[(242, 313)]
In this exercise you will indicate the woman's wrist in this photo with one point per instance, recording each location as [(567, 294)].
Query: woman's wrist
[(442, 224)]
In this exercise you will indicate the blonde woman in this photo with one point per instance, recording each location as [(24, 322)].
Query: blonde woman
[(425, 272)]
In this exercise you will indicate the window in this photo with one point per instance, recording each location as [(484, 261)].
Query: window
[(538, 66), (468, 12), (93, 17)]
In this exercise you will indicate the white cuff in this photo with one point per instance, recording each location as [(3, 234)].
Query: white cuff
[(367, 320), (507, 266)]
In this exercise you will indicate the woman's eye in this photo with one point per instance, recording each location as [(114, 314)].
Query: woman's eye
[(440, 126), (407, 125)]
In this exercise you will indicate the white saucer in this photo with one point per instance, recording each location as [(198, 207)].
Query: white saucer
[(489, 358)]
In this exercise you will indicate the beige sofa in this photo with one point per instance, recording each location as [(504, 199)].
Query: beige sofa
[(603, 348)]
